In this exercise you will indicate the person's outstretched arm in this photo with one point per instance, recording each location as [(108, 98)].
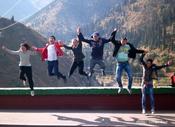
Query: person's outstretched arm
[(67, 47), (10, 51), (136, 50), (169, 63), (81, 37), (141, 60), (113, 34)]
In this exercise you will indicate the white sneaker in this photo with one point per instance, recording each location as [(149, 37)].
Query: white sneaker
[(143, 111), (120, 90), (129, 90), (32, 93), (24, 83), (152, 112)]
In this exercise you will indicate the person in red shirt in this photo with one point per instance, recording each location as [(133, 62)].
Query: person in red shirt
[(50, 54), (173, 80)]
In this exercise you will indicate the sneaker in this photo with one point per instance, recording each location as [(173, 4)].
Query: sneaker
[(24, 83), (32, 93), (64, 79), (90, 74), (143, 111), (152, 112), (120, 90), (129, 90), (103, 73)]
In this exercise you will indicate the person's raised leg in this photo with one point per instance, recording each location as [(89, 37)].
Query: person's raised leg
[(143, 89), (119, 70), (129, 74), (21, 75), (73, 67), (50, 67), (30, 79), (102, 66), (92, 65), (81, 68), (151, 94)]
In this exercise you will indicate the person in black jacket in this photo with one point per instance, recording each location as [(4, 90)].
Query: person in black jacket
[(78, 57), (122, 52), (97, 43), (147, 81)]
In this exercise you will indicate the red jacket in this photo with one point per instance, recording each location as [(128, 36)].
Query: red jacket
[(44, 54)]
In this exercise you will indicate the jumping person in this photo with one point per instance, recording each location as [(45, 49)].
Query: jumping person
[(78, 57), (122, 52), (50, 53), (97, 43), (25, 66), (147, 81)]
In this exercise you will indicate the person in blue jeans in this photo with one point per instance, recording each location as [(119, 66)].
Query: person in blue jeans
[(147, 81), (123, 51)]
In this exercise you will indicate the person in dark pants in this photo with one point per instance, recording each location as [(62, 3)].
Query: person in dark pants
[(97, 43), (25, 66), (50, 53), (78, 57), (123, 51), (147, 81)]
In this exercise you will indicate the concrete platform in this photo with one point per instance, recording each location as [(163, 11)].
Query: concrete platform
[(42, 118)]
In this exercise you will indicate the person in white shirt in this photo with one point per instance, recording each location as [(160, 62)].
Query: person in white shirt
[(50, 54), (25, 66)]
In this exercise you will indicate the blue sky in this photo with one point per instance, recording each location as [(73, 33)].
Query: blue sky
[(21, 9)]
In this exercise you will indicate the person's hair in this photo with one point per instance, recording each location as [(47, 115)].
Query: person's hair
[(27, 46), (73, 41), (53, 37), (150, 60), (125, 38)]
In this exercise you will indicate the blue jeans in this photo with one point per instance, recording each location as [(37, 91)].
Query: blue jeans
[(53, 69), (119, 70), (149, 88)]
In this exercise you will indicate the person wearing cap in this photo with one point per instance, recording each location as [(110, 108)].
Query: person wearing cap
[(122, 52), (97, 43)]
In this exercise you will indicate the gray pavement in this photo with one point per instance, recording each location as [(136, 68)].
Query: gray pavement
[(84, 118)]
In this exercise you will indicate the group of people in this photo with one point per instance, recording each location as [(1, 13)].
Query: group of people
[(122, 52)]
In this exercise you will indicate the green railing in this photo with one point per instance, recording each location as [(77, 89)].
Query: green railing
[(79, 91)]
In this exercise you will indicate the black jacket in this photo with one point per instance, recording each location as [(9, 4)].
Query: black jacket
[(132, 52), (97, 47), (149, 73), (78, 53)]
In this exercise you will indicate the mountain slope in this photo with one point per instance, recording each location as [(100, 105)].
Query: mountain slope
[(62, 17)]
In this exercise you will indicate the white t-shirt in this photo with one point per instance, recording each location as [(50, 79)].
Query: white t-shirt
[(122, 55), (24, 56), (51, 53)]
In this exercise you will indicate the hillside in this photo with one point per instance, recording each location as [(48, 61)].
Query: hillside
[(9, 70), (63, 16), (145, 22)]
